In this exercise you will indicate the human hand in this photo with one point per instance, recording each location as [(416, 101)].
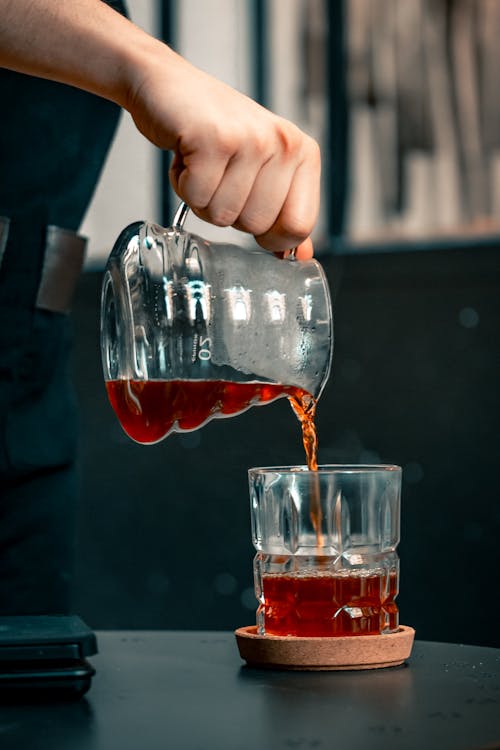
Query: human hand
[(235, 163)]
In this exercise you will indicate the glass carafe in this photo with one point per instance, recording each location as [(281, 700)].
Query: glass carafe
[(192, 330)]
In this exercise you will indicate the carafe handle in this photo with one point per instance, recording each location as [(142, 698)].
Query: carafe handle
[(180, 216)]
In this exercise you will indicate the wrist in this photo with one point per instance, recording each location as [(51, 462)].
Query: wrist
[(146, 58)]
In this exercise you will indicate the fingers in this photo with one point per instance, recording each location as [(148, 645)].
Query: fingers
[(198, 169), (216, 174), (235, 163), (233, 191), (305, 250), (264, 181), (265, 202), (299, 211)]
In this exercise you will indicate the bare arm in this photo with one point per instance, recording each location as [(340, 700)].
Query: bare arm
[(235, 162)]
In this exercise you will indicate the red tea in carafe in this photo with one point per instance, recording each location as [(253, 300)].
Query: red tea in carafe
[(149, 409)]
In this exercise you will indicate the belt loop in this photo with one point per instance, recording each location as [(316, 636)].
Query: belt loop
[(63, 261), (39, 264)]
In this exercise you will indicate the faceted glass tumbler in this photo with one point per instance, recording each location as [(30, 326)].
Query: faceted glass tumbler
[(326, 562)]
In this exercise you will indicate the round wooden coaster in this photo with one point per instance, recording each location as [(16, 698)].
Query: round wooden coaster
[(353, 652)]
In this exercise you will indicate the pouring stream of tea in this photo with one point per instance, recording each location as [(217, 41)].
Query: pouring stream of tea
[(304, 406)]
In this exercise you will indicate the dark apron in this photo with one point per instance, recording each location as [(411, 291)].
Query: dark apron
[(53, 144)]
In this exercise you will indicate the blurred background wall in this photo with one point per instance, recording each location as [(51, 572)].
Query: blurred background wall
[(402, 98)]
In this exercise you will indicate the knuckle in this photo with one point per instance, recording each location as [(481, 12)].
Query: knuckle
[(193, 194), (221, 216), (253, 224), (259, 144), (294, 226), (289, 138), (226, 142)]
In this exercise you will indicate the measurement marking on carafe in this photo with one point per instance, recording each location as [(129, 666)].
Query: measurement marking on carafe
[(204, 352)]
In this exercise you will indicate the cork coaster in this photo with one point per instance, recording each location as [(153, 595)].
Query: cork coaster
[(343, 653)]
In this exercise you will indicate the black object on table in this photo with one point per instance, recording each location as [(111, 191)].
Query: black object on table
[(44, 657), (190, 691)]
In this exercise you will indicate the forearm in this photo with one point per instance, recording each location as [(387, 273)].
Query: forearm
[(235, 163), (83, 43)]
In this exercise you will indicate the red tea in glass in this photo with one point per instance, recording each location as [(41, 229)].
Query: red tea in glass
[(329, 604), (326, 562)]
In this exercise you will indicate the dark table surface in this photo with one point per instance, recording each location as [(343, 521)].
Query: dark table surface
[(190, 690)]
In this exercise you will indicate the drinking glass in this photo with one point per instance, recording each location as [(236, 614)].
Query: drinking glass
[(326, 562)]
